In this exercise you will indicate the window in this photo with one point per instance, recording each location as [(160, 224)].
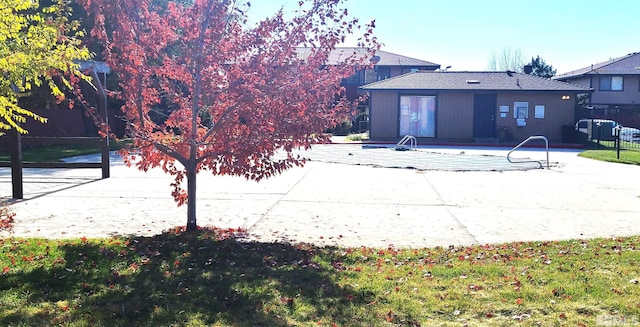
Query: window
[(418, 116), (521, 110), (383, 73), (611, 83), (582, 124), (539, 111), (356, 79), (406, 70)]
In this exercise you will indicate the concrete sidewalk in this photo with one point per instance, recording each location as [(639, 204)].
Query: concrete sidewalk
[(346, 204)]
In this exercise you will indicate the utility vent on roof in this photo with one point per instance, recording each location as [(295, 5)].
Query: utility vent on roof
[(473, 81)]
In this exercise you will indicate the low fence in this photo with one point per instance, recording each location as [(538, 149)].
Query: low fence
[(603, 134), (602, 138), (14, 142)]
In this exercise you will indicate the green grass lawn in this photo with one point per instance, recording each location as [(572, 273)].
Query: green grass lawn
[(210, 279), (56, 152), (626, 156), (357, 137), (629, 153)]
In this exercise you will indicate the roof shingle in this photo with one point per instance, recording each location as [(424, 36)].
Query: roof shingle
[(386, 58), (495, 81), (625, 65)]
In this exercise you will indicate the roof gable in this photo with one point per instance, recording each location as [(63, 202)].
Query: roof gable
[(494, 81), (392, 59), (625, 65), (384, 58)]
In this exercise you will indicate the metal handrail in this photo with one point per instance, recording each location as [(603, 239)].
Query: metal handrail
[(536, 137), (413, 143)]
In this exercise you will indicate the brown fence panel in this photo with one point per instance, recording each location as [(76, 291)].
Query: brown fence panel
[(15, 141)]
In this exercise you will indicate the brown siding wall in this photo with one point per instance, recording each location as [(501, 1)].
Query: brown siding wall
[(557, 112), (581, 81), (395, 71), (629, 95), (455, 116), (60, 122), (384, 115)]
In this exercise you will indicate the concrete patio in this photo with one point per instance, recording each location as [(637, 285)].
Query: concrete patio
[(349, 203)]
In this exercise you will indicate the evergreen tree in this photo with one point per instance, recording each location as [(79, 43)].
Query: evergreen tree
[(540, 68)]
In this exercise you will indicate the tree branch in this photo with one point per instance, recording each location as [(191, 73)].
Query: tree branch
[(170, 152)]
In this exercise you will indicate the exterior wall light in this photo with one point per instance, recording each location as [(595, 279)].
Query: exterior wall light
[(566, 97)]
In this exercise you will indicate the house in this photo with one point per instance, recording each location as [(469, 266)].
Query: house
[(385, 65), (471, 106), (616, 89)]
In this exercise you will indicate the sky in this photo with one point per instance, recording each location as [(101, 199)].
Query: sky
[(464, 34)]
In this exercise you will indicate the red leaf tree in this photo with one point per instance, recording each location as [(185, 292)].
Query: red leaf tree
[(238, 94)]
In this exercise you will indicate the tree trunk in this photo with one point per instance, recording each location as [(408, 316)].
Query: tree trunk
[(191, 199)]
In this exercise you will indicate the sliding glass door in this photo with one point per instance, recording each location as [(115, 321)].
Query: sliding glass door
[(418, 116)]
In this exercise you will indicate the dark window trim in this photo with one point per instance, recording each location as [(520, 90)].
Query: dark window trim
[(610, 77)]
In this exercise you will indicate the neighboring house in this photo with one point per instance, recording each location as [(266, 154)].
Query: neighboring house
[(471, 106), (616, 89), (385, 65)]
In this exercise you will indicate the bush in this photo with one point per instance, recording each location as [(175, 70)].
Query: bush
[(342, 129)]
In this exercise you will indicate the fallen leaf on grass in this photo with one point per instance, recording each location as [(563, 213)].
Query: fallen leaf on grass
[(286, 300)]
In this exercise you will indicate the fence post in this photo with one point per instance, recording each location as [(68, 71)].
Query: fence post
[(104, 147), (617, 133), (15, 152)]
